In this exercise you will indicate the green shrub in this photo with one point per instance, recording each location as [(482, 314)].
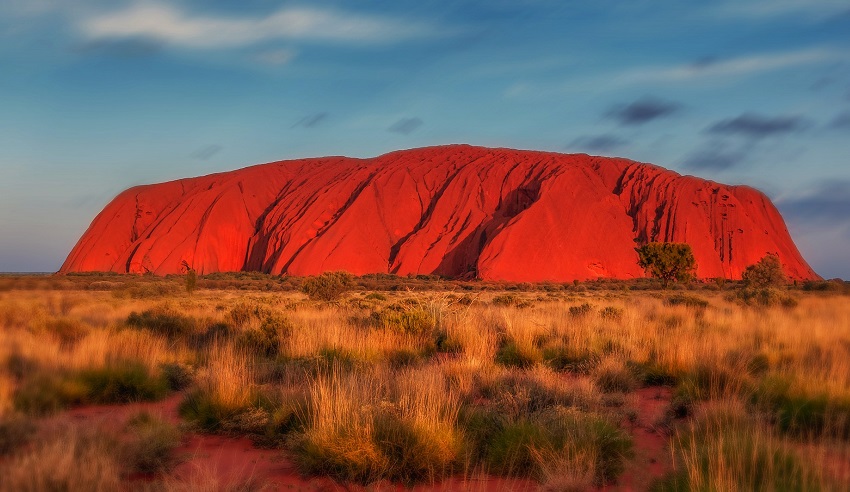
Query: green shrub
[(178, 376), (561, 357), (764, 274), (800, 413), (562, 432), (265, 340), (163, 321), (512, 354), (723, 445), (328, 286), (764, 297), (151, 444), (668, 262), (122, 383), (43, 393), (614, 376), (204, 411), (687, 301), (581, 310), (416, 454), (611, 313), (414, 321)]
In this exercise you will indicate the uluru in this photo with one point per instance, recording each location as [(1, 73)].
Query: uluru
[(457, 211)]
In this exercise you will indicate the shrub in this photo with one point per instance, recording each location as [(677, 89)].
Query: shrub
[(766, 273), (517, 447), (178, 376), (612, 375), (581, 310), (265, 340), (328, 286), (163, 321), (122, 383), (151, 445), (611, 313), (413, 321), (512, 354), (687, 301), (802, 413), (725, 450), (561, 357), (43, 394), (668, 262), (764, 297)]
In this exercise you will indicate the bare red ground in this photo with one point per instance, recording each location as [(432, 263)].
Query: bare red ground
[(652, 458), (458, 211)]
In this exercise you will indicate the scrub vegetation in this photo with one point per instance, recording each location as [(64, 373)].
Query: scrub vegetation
[(421, 380)]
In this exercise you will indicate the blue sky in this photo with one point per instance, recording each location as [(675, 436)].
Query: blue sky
[(98, 96)]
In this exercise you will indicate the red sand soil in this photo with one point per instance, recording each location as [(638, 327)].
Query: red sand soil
[(652, 458), (458, 211)]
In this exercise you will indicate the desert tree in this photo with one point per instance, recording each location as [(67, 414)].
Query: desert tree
[(668, 262), (328, 286), (765, 273)]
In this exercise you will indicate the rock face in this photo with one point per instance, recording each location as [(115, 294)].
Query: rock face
[(458, 211)]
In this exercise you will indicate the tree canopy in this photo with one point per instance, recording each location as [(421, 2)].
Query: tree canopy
[(668, 262)]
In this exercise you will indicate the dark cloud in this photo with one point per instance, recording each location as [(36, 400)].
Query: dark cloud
[(598, 143), (206, 152), (121, 48), (643, 111), (405, 126), (716, 156), (841, 121), (311, 120), (828, 202), (755, 126)]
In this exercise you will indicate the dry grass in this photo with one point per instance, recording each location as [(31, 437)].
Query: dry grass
[(418, 386)]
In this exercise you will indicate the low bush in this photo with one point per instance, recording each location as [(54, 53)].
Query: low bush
[(612, 375), (724, 449), (163, 321), (151, 444), (265, 340), (802, 413), (122, 383), (686, 300), (411, 320), (512, 354), (328, 286), (517, 447), (561, 357), (581, 310)]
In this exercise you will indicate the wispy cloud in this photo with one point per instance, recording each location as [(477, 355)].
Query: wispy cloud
[(171, 25), (405, 126), (718, 67), (311, 120), (279, 56), (761, 9), (206, 152)]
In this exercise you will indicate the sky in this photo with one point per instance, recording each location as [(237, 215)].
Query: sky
[(97, 96)]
